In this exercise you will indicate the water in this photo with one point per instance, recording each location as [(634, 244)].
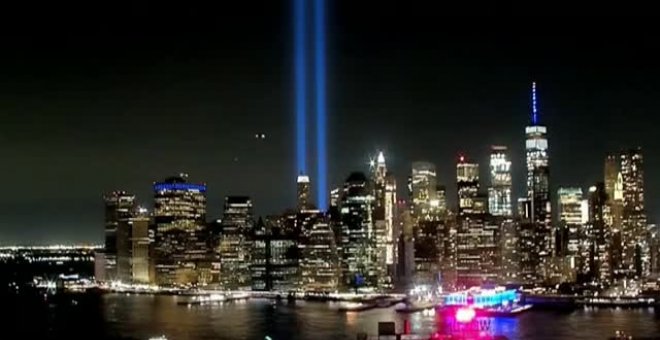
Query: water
[(116, 316)]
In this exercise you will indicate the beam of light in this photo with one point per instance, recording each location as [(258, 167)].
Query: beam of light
[(534, 112), (319, 39), (300, 84)]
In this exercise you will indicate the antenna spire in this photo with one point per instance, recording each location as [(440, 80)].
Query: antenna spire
[(535, 117)]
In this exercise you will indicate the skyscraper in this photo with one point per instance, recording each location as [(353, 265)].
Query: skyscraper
[(538, 188), (597, 235), (441, 198), (467, 182), (422, 190), (390, 222), (384, 194), (319, 270), (614, 213), (570, 221), (427, 247), (236, 243), (180, 218), (499, 193), (478, 256), (141, 248), (302, 189), (359, 265), (611, 172), (119, 208), (633, 234)]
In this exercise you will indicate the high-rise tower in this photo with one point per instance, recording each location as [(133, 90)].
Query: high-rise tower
[(499, 193), (302, 190), (180, 218), (384, 194), (359, 256), (119, 208), (467, 183), (634, 252), (538, 186), (423, 190), (235, 244)]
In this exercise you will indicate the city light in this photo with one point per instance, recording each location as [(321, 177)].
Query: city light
[(465, 314)]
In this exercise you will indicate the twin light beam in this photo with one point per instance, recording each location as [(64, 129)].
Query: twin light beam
[(301, 98)]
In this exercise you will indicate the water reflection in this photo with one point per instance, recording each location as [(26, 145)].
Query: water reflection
[(140, 317)]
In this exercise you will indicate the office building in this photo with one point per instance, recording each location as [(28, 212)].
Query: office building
[(538, 191), (427, 252), (236, 243), (384, 199), (570, 221), (274, 257), (614, 213), (142, 237), (319, 262), (597, 236), (181, 241), (467, 182), (634, 224), (423, 190), (440, 202), (303, 192), (499, 192), (478, 255), (509, 248), (359, 255), (119, 208)]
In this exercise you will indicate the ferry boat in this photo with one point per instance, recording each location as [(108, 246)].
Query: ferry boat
[(497, 301)]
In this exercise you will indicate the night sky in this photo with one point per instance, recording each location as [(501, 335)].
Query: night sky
[(95, 98)]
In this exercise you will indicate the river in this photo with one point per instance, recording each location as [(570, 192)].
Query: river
[(120, 316)]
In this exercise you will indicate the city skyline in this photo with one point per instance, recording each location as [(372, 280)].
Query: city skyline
[(153, 111)]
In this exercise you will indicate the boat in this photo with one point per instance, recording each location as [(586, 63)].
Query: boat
[(415, 307), (506, 312), (497, 301), (356, 307)]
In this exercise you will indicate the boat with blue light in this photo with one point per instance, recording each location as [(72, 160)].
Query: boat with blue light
[(496, 301)]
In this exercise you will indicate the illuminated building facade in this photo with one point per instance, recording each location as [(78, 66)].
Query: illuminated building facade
[(597, 235), (180, 219), (509, 248), (634, 224), (423, 190), (359, 265), (142, 237), (119, 208), (427, 251), (538, 189), (236, 243), (478, 252), (319, 265), (467, 182), (405, 266), (614, 214), (611, 172), (384, 194), (274, 262), (390, 221), (499, 193), (570, 221), (303, 192), (441, 199)]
